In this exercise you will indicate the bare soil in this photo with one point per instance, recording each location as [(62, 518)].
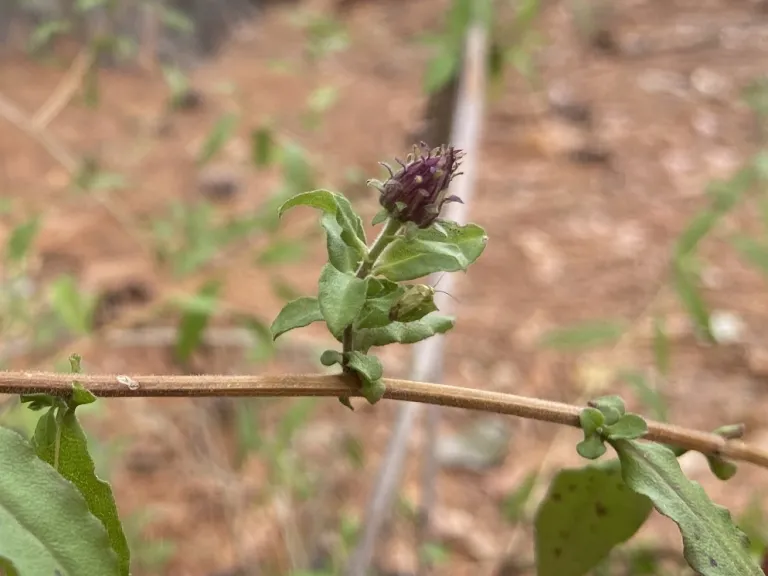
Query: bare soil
[(569, 240)]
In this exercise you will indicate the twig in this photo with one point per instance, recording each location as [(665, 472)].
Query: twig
[(428, 355), (12, 113), (63, 92), (320, 385)]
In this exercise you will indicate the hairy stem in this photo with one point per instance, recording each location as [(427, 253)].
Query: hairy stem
[(314, 385), (384, 239)]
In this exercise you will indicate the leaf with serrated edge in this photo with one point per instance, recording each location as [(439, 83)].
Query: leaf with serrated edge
[(296, 314), (405, 333), (713, 545), (45, 524), (341, 296), (76, 465), (586, 512)]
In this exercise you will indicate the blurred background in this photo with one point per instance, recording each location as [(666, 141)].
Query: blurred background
[(144, 148)]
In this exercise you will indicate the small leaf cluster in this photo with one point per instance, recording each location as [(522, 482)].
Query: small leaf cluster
[(606, 419), (589, 511), (363, 295)]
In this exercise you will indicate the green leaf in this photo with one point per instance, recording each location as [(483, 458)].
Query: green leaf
[(448, 249), (296, 314), (341, 255), (660, 346), (331, 357), (592, 447), (370, 371), (713, 545), (262, 147), (197, 314), (381, 216), (21, 238), (381, 295), (629, 427), (589, 334), (407, 259), (612, 408), (341, 296), (344, 228), (222, 131), (688, 291), (73, 308), (45, 524), (591, 420), (722, 469), (73, 462), (440, 70), (404, 333), (586, 513), (699, 227)]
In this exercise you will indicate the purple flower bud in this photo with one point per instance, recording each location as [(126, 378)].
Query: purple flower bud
[(416, 193)]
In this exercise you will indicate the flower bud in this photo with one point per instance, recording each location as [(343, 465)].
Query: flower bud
[(416, 193)]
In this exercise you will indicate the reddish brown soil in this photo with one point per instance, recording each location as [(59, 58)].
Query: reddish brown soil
[(568, 241)]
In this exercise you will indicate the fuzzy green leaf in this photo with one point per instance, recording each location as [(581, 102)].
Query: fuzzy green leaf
[(586, 512), (612, 408), (591, 420), (628, 427), (370, 371), (430, 250), (713, 545), (592, 447), (343, 227), (75, 464), (296, 314), (45, 524), (409, 259), (405, 333), (341, 296), (382, 294), (331, 357)]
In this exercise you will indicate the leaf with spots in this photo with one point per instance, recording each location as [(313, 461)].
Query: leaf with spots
[(586, 512), (712, 544)]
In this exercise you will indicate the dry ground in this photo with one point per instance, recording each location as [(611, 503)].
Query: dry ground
[(569, 241)]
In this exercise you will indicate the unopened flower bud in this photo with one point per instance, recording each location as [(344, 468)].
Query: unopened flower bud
[(416, 193)]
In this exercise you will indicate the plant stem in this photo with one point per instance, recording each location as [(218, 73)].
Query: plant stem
[(384, 239), (315, 385)]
